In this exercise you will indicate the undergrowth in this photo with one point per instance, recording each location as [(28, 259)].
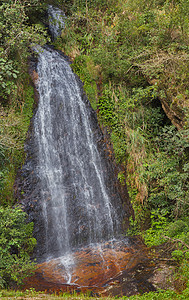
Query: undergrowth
[(14, 124), (32, 294)]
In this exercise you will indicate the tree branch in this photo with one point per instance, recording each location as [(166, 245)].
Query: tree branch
[(176, 241)]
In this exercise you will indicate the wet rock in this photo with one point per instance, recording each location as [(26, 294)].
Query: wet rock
[(110, 268), (162, 277), (128, 268)]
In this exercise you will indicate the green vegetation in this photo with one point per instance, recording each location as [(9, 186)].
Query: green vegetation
[(16, 243), (133, 57), (17, 36), (32, 294)]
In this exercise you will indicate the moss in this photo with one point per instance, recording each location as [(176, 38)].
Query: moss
[(15, 122)]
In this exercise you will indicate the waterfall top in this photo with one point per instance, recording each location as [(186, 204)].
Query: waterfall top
[(56, 21)]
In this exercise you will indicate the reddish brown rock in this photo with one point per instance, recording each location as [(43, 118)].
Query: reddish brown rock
[(96, 269)]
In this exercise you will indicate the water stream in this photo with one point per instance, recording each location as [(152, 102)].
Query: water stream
[(76, 201)]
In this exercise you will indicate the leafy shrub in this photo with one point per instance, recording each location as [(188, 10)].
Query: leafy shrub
[(16, 244), (168, 173), (177, 254), (155, 234), (177, 228)]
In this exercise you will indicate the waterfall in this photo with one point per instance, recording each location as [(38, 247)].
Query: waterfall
[(68, 187), (74, 196), (56, 21), (71, 193)]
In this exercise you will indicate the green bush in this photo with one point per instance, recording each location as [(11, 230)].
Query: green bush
[(177, 254), (168, 172), (16, 245), (177, 228)]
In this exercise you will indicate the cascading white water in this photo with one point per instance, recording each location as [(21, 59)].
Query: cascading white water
[(56, 21), (76, 202), (69, 162)]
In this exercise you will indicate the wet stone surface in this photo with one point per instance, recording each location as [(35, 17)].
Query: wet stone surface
[(119, 268)]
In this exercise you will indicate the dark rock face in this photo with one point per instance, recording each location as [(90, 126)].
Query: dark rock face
[(28, 191), (32, 191), (27, 185), (174, 113)]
